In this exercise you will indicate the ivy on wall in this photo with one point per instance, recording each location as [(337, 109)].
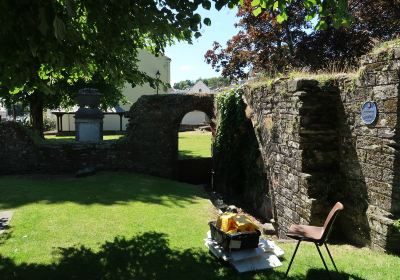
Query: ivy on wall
[(238, 168)]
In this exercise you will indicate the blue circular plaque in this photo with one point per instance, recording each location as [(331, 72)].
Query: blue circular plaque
[(369, 112)]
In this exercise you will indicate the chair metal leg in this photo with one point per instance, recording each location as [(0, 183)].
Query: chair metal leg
[(329, 253), (291, 261), (322, 258)]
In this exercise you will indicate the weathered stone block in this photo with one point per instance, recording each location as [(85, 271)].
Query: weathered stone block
[(387, 77), (380, 159), (396, 53), (390, 106), (384, 92), (379, 187), (371, 171)]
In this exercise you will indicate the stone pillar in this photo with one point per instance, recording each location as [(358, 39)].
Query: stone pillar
[(89, 118)]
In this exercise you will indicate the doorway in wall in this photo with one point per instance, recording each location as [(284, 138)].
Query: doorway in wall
[(194, 148)]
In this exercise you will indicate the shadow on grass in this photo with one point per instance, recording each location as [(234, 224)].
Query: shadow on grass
[(321, 274), (188, 154), (105, 188), (145, 256), (5, 234)]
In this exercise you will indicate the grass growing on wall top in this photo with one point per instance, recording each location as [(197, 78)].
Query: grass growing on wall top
[(332, 71), (321, 76), (385, 46)]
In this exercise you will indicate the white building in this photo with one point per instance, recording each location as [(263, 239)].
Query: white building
[(3, 111), (147, 63), (197, 117), (200, 87)]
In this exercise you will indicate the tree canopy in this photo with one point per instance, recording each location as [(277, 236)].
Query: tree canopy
[(48, 46), (45, 41), (185, 84), (265, 45), (212, 83)]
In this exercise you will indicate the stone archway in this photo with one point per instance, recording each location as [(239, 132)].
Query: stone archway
[(152, 134)]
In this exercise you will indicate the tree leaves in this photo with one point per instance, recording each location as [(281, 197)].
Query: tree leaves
[(255, 3), (321, 25), (206, 4), (282, 17), (195, 20), (337, 10), (257, 11), (207, 21), (219, 4), (269, 48), (64, 44)]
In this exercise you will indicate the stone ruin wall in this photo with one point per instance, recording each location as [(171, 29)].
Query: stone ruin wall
[(317, 151), (150, 146), (21, 153), (295, 142), (370, 154)]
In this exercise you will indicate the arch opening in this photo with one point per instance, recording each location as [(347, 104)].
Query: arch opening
[(195, 148), (194, 136)]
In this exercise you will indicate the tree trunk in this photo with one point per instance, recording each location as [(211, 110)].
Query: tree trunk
[(289, 40), (36, 113), (14, 113)]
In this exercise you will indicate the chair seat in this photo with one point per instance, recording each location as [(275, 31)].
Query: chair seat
[(304, 232), (317, 235)]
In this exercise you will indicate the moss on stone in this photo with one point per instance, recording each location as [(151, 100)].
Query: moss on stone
[(386, 46), (323, 78)]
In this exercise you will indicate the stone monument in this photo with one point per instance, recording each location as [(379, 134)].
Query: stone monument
[(89, 118)]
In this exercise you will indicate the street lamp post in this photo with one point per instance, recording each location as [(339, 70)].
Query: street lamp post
[(158, 74)]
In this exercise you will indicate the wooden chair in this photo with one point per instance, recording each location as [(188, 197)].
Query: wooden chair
[(317, 235)]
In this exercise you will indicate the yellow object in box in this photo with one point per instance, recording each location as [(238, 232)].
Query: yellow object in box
[(226, 222), (232, 223), (243, 223)]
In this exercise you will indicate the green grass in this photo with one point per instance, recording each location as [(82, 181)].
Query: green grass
[(194, 144), (385, 46), (67, 139), (128, 226)]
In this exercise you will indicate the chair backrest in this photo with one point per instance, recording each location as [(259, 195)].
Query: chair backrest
[(330, 219)]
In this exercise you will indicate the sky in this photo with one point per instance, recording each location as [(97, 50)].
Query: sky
[(187, 61)]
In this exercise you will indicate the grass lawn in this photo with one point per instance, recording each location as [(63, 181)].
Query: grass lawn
[(194, 144), (118, 225)]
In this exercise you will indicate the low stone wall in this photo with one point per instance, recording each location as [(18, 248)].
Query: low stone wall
[(150, 146), (316, 149), (20, 153)]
